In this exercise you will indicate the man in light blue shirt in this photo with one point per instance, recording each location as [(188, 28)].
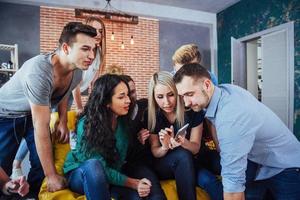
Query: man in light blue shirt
[(255, 144), (208, 159)]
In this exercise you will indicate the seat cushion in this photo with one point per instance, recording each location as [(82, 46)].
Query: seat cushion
[(60, 152)]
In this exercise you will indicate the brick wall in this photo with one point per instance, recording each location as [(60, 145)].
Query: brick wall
[(139, 60)]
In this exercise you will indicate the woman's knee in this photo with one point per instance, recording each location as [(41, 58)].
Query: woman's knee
[(93, 168), (183, 156), (205, 178), (93, 164)]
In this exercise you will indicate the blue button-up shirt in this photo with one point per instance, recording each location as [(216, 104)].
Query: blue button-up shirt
[(247, 129)]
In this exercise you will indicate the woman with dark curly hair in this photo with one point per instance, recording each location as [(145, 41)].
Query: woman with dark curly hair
[(102, 142)]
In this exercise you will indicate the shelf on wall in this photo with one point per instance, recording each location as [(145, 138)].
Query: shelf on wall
[(13, 55), (6, 74), (8, 70)]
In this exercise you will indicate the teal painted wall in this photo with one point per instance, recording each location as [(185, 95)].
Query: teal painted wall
[(251, 16)]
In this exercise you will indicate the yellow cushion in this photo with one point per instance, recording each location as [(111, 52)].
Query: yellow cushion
[(60, 152), (169, 187)]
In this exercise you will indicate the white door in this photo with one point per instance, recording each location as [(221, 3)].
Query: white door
[(277, 55), (275, 74), (238, 66), (252, 67)]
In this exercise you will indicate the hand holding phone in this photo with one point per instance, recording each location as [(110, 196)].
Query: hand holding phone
[(181, 131)]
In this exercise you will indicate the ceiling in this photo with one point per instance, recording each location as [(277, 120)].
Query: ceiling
[(213, 6)]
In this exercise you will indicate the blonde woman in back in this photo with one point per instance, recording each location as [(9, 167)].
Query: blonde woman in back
[(173, 159)]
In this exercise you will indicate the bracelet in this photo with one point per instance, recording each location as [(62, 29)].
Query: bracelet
[(164, 148)]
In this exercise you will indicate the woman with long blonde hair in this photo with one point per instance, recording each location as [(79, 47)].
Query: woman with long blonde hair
[(173, 158)]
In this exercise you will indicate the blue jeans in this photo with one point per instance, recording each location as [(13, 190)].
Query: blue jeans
[(283, 186), (22, 151), (89, 179), (208, 165), (178, 164), (209, 159), (139, 171), (210, 183), (12, 130)]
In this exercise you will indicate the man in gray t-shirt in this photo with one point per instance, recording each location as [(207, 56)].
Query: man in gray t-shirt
[(43, 82)]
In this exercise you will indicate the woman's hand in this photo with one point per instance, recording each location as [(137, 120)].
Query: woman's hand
[(170, 131), (164, 138), (143, 187), (143, 135), (176, 142)]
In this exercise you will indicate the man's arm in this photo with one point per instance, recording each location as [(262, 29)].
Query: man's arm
[(41, 120), (234, 196), (236, 141), (62, 131)]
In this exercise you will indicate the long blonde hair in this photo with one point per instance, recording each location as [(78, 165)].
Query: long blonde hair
[(102, 44), (166, 79)]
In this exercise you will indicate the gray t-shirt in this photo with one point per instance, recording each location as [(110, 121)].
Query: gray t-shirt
[(32, 83)]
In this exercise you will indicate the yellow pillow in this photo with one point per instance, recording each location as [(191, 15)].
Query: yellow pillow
[(169, 187), (60, 152)]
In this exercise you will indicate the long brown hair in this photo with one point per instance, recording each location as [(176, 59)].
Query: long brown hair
[(99, 134)]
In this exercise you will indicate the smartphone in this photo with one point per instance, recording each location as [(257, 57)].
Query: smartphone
[(181, 131)]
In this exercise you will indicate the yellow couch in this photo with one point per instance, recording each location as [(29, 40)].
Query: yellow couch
[(60, 152)]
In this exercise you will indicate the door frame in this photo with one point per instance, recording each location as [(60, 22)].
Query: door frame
[(289, 28)]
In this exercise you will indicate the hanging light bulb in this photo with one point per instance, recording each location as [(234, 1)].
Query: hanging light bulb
[(131, 40), (112, 37), (122, 44)]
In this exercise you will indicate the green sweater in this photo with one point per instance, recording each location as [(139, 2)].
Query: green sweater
[(76, 157)]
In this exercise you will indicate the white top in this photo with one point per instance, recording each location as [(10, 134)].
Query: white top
[(88, 75)]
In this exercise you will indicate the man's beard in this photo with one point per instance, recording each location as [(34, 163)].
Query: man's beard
[(202, 106)]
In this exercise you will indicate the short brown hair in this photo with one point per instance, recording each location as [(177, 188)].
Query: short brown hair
[(71, 29), (194, 70), (186, 54)]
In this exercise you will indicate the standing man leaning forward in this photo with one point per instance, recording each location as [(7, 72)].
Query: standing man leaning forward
[(258, 152), (42, 83)]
